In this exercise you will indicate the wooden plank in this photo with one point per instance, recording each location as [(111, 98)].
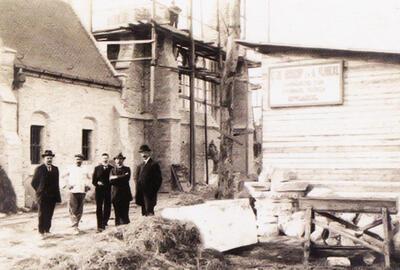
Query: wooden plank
[(355, 205), (348, 234), (126, 42), (387, 236), (309, 215), (370, 236), (339, 251), (131, 60)]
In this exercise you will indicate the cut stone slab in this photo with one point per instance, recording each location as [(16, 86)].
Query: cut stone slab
[(290, 187), (257, 189), (223, 225)]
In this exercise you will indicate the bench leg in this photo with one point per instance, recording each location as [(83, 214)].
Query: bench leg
[(387, 237), (307, 235)]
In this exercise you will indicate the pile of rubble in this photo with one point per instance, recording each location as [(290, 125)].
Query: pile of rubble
[(151, 243)]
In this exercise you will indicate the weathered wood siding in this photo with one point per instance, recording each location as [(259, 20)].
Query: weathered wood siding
[(350, 145)]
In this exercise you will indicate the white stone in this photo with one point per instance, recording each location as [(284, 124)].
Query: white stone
[(344, 241), (349, 217), (293, 228), (279, 175), (266, 219), (223, 225), (320, 192), (369, 259), (338, 261), (268, 230), (396, 240), (316, 236)]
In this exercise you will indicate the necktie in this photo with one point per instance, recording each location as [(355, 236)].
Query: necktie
[(49, 168)]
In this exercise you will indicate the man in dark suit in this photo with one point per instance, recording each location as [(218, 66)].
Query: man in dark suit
[(45, 181), (148, 182), (120, 190), (101, 180)]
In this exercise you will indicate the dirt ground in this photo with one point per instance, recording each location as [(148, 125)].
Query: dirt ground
[(22, 248)]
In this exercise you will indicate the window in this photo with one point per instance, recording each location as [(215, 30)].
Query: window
[(36, 141), (86, 143), (202, 89)]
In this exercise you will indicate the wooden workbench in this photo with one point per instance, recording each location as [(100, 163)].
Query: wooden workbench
[(365, 239)]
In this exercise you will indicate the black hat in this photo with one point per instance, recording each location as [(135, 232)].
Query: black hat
[(144, 148), (80, 156), (120, 156), (48, 153)]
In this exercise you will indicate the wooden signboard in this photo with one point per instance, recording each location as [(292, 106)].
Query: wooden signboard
[(306, 85)]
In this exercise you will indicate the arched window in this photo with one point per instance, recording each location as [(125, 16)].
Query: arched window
[(37, 135), (88, 137)]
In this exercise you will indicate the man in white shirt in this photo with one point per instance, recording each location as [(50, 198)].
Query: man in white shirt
[(78, 185)]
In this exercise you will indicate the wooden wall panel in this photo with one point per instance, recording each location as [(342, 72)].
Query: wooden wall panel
[(358, 141)]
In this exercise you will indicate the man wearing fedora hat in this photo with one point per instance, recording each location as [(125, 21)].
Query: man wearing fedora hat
[(45, 181), (148, 182), (120, 190), (78, 184)]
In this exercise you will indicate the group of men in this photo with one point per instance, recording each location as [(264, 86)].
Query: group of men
[(111, 187)]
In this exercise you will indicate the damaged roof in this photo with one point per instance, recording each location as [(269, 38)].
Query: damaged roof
[(49, 37)]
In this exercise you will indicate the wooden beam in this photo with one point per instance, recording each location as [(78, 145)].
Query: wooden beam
[(376, 246), (126, 42), (131, 60)]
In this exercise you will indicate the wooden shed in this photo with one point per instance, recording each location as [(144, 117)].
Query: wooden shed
[(332, 116)]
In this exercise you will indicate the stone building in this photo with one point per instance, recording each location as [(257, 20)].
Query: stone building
[(58, 91)]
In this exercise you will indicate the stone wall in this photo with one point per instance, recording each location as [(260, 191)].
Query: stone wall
[(64, 109), (10, 143)]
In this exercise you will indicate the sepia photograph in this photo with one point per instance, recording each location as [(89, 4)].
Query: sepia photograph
[(199, 134)]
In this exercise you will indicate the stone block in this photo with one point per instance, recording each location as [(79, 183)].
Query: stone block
[(290, 187), (268, 230), (338, 261), (266, 219), (223, 225), (274, 208), (320, 192)]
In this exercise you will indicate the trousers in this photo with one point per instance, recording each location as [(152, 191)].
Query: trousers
[(76, 201), (45, 214), (121, 209), (103, 206)]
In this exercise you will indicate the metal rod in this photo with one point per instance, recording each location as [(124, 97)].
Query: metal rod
[(205, 125), (192, 103), (153, 52)]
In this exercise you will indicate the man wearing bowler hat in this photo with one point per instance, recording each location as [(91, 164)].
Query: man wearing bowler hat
[(148, 182), (120, 190), (45, 181)]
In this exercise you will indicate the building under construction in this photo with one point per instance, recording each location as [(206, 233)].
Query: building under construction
[(110, 91), (156, 61)]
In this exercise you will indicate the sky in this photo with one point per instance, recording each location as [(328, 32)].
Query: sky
[(354, 24)]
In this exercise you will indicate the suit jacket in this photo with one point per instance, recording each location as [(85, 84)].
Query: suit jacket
[(120, 189), (148, 181), (101, 175), (46, 183)]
